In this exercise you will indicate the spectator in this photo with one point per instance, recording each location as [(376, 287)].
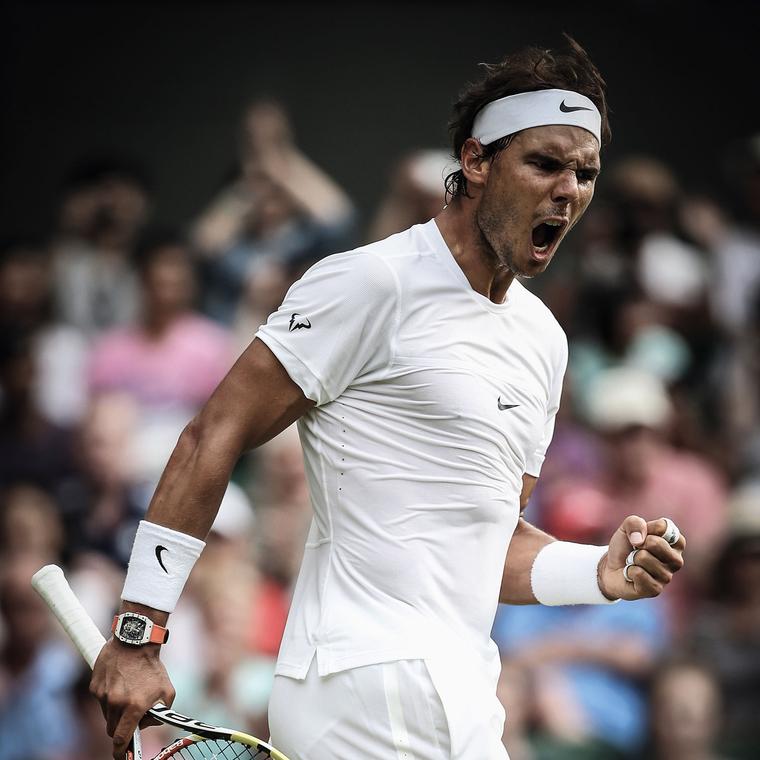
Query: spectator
[(734, 244), (94, 743), (416, 193), (280, 475), (633, 333), (172, 358), (646, 195), (36, 671), (32, 448), (105, 204), (30, 524), (514, 692), (102, 503), (738, 386), (686, 713), (645, 475), (280, 215), (643, 293), (727, 631), (60, 351)]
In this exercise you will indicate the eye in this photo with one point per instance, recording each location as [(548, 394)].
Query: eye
[(586, 176), (545, 164)]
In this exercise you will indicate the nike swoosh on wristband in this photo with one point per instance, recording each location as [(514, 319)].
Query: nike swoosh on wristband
[(160, 549), (570, 109)]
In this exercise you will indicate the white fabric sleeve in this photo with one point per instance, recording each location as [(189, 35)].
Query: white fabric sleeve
[(536, 459), (336, 324)]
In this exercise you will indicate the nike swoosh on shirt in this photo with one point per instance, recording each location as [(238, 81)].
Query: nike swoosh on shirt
[(160, 549), (503, 406), (570, 109)]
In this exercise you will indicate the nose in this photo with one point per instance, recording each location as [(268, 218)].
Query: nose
[(566, 189)]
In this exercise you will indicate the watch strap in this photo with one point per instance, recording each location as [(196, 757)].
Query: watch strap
[(158, 634)]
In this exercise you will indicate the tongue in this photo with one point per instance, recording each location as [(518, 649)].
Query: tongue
[(542, 235)]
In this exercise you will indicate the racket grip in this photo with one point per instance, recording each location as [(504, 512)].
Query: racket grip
[(50, 583)]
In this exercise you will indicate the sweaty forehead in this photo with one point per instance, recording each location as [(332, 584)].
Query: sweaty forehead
[(560, 141)]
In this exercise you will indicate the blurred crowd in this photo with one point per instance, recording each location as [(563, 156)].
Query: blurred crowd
[(115, 330)]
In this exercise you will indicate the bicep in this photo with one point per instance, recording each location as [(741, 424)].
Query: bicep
[(255, 401)]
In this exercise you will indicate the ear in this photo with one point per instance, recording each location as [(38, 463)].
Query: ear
[(474, 166)]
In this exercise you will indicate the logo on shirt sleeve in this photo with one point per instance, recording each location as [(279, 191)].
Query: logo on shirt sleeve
[(502, 404), (297, 321)]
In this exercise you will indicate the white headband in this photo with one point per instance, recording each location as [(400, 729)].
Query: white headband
[(537, 108)]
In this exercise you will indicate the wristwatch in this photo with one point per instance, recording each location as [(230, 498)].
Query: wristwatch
[(137, 630)]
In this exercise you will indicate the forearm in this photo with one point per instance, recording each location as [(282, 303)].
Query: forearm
[(314, 190), (539, 569), (193, 483), (186, 501), (526, 543), (256, 401)]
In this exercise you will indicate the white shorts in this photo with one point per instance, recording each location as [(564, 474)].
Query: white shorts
[(389, 711)]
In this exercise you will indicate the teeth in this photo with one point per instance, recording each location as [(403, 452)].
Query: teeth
[(553, 224), (542, 248)]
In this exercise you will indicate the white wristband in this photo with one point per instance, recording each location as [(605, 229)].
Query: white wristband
[(566, 573), (160, 564)]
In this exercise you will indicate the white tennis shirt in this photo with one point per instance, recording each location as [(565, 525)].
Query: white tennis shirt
[(432, 402)]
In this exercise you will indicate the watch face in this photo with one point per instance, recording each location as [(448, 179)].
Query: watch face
[(132, 629)]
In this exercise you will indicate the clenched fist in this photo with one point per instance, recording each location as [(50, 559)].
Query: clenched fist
[(654, 562)]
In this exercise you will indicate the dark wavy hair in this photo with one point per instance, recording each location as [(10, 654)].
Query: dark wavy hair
[(529, 69)]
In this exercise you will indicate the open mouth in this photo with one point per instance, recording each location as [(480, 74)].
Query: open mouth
[(547, 233)]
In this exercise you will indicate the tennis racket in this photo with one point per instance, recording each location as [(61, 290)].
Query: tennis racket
[(204, 742)]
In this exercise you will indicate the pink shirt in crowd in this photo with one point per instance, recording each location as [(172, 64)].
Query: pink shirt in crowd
[(181, 368)]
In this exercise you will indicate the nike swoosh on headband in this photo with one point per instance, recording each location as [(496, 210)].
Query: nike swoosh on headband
[(536, 108), (570, 109)]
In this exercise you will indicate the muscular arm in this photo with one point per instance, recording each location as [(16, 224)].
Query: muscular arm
[(256, 401), (252, 404), (527, 541)]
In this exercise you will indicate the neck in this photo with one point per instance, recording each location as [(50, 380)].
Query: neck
[(157, 321), (471, 251)]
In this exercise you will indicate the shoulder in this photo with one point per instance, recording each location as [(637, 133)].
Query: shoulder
[(364, 271)]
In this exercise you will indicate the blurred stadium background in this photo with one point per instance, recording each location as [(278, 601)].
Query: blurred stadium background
[(170, 168)]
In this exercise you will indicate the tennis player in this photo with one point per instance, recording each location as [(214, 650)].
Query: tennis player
[(425, 380)]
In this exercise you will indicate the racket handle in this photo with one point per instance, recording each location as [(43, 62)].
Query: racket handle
[(50, 583)]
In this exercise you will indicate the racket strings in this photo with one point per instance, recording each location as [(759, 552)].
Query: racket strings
[(216, 749)]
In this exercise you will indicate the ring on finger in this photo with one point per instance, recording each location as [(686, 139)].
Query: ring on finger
[(625, 573), (631, 558), (671, 534)]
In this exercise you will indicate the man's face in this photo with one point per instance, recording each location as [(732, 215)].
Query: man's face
[(536, 189)]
